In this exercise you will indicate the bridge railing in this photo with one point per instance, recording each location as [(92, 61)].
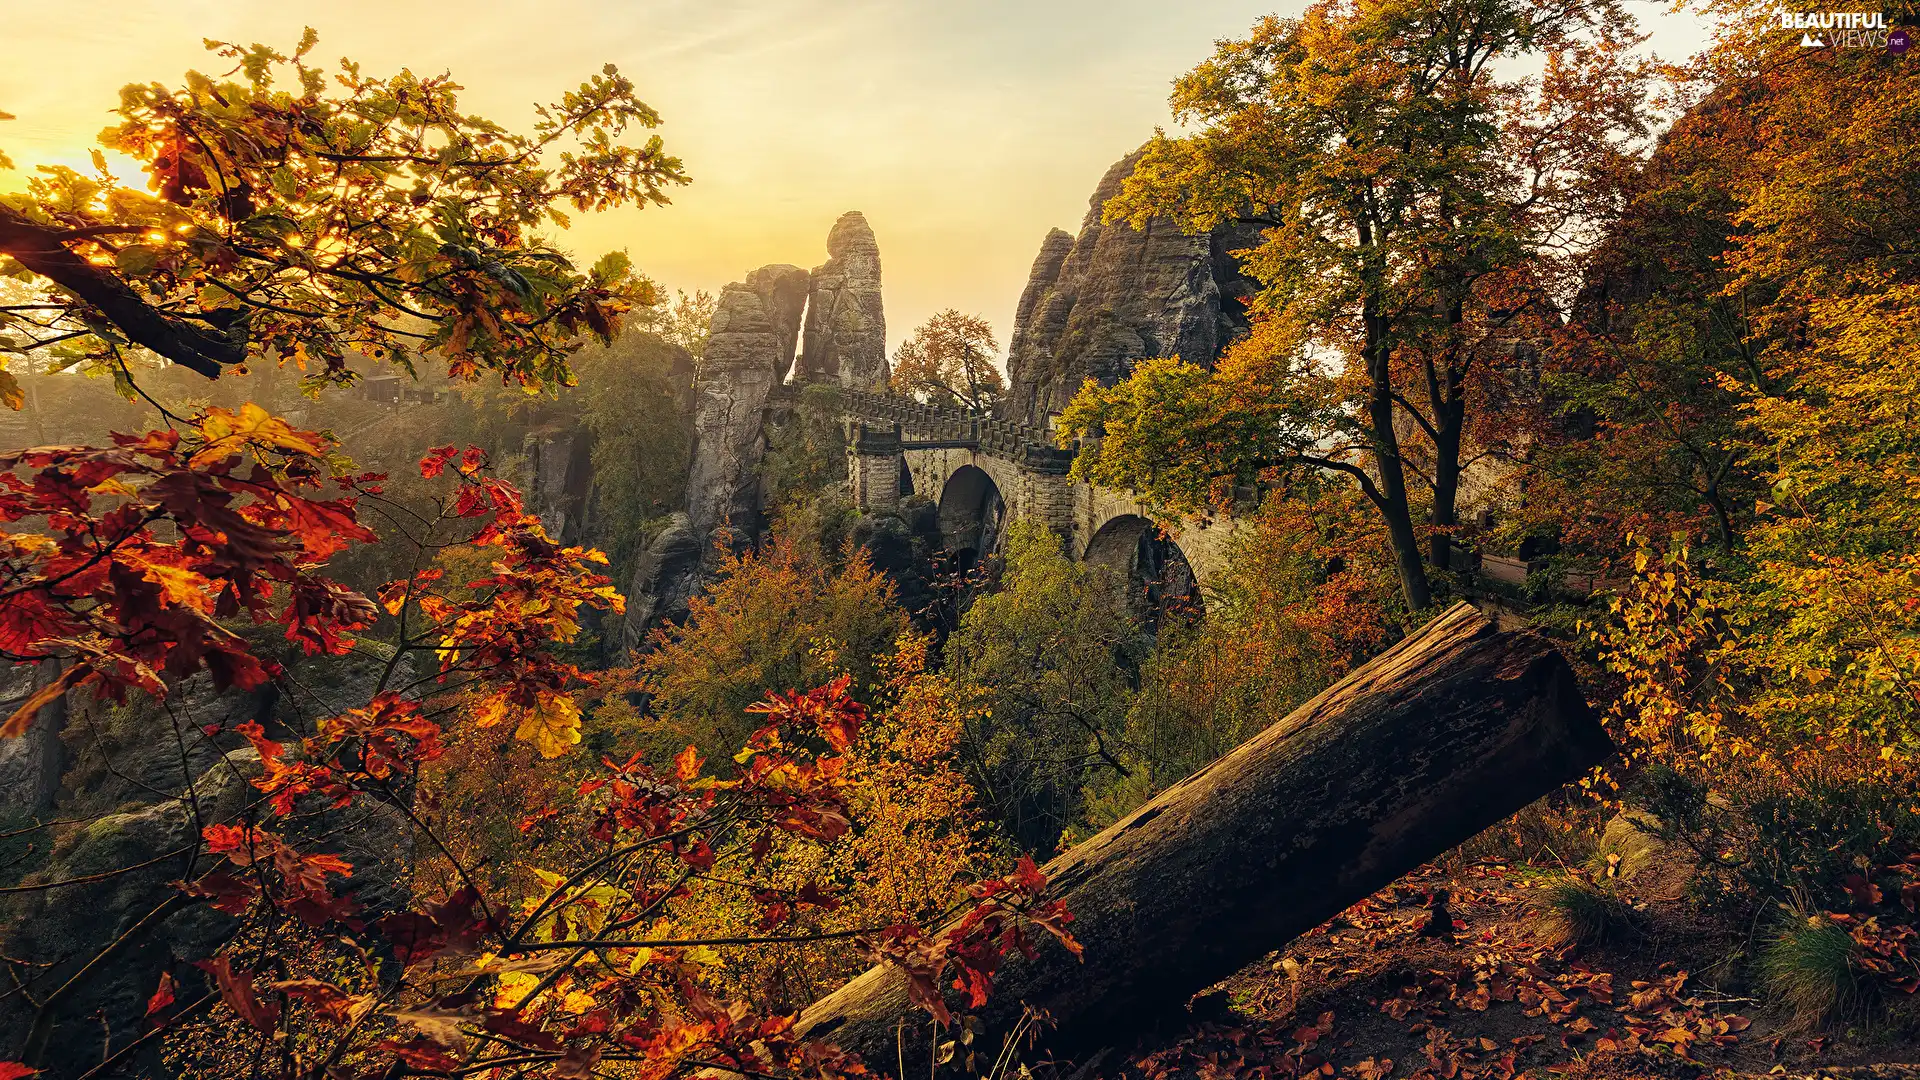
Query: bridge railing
[(948, 422)]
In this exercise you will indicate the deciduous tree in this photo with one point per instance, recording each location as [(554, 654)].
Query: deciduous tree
[(949, 361), (1415, 197)]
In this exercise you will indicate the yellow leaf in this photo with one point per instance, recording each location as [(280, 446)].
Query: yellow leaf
[(183, 588), (111, 486), (30, 542), (227, 432), (513, 986), (10, 393), (553, 726), (490, 712)]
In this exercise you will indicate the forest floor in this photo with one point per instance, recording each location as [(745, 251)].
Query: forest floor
[(1370, 996)]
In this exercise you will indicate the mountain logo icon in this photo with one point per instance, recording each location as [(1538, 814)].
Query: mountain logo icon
[(1809, 41)]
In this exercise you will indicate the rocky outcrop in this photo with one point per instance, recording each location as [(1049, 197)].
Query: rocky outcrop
[(748, 350), (561, 481), (142, 780), (846, 322), (783, 291), (665, 574), (1097, 304)]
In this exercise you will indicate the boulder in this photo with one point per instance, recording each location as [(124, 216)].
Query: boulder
[(846, 321), (1097, 304)]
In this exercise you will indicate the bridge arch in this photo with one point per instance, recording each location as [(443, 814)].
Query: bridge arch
[(1151, 575), (972, 509)]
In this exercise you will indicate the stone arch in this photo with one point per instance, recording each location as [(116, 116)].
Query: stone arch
[(972, 510), (1152, 577)]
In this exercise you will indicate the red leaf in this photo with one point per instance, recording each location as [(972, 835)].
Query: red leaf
[(422, 1053), (1865, 893), (163, 996), (13, 1070), (436, 460), (226, 892)]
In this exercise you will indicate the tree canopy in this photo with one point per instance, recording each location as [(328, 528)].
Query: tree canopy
[(949, 361)]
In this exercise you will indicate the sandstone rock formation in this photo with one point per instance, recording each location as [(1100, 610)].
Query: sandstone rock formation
[(132, 804), (30, 766), (846, 322), (783, 291), (665, 574), (1096, 304), (748, 352), (560, 479)]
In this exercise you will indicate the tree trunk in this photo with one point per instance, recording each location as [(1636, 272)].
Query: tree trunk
[(1443, 735)]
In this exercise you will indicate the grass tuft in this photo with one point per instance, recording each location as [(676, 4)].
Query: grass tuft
[(1810, 965), (1579, 912)]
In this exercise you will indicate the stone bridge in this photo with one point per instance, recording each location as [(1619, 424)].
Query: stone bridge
[(984, 472)]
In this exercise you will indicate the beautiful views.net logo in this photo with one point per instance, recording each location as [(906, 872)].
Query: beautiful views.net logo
[(1845, 30)]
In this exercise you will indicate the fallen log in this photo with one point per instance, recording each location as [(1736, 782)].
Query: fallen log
[(1448, 732)]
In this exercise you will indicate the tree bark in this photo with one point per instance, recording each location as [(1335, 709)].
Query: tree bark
[(1443, 735)]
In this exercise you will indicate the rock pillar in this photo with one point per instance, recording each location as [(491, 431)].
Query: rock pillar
[(846, 336)]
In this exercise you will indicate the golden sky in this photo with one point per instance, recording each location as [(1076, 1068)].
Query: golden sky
[(964, 130)]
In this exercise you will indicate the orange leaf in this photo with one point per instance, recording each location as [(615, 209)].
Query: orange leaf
[(22, 717)]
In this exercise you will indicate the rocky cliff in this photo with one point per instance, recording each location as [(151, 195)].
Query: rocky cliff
[(1097, 304), (846, 322)]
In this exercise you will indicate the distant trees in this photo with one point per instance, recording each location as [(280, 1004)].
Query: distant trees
[(774, 618), (685, 320), (949, 361), (1417, 204), (1051, 657)]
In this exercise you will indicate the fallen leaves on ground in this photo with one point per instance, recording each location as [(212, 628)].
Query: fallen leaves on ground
[(1494, 1005)]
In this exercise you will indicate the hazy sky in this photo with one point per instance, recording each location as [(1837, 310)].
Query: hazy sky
[(963, 129)]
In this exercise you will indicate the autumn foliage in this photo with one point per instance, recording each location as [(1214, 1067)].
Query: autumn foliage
[(155, 541)]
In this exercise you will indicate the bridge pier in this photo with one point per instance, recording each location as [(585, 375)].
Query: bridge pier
[(1046, 492), (875, 461)]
